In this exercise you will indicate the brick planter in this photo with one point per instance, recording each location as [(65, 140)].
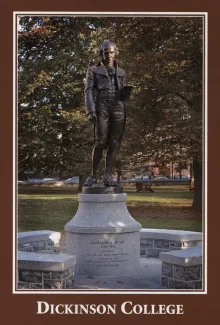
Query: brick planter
[(182, 269), (45, 271)]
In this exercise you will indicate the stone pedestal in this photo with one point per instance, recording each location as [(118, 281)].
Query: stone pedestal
[(104, 237)]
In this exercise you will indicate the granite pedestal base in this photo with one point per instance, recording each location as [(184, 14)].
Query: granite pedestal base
[(104, 237)]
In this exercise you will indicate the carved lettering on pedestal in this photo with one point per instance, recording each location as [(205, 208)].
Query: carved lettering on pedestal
[(107, 253)]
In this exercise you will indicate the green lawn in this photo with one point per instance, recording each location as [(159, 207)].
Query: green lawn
[(191, 225), (176, 195), (51, 208)]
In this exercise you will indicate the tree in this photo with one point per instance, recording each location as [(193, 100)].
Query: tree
[(163, 58), (53, 133)]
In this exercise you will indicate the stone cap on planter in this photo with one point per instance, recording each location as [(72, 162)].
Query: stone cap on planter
[(173, 235), (39, 235), (185, 257), (45, 262)]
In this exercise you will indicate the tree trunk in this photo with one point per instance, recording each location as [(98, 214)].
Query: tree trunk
[(191, 172), (118, 169), (82, 179), (198, 185), (180, 169), (119, 173), (197, 163), (22, 176)]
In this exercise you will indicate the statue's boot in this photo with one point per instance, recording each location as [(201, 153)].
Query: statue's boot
[(90, 181), (111, 183)]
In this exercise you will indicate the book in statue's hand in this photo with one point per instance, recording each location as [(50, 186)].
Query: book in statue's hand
[(125, 93)]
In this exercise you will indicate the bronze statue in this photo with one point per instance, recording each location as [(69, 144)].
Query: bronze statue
[(105, 93)]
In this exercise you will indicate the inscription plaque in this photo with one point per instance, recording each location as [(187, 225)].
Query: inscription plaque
[(109, 254)]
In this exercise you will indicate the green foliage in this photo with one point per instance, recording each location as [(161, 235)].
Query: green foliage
[(163, 58), (54, 135)]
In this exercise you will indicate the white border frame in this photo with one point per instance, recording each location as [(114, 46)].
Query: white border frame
[(205, 104)]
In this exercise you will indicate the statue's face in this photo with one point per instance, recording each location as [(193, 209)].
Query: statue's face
[(109, 54)]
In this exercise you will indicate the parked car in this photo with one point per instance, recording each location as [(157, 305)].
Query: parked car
[(139, 177), (48, 181), (161, 178), (32, 181), (131, 179), (20, 182), (72, 180)]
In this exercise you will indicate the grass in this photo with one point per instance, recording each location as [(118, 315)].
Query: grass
[(162, 196), (191, 225), (50, 208)]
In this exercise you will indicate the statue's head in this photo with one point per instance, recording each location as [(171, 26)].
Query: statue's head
[(108, 52)]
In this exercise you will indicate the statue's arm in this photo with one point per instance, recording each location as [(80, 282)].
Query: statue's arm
[(124, 82), (125, 90), (89, 91)]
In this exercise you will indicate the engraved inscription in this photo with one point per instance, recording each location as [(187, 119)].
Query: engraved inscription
[(107, 253)]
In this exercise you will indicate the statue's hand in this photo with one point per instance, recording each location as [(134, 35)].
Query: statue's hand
[(92, 117)]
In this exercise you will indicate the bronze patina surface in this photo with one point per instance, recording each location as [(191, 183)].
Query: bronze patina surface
[(105, 93)]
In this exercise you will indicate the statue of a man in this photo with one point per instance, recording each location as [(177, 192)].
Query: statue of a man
[(105, 92)]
